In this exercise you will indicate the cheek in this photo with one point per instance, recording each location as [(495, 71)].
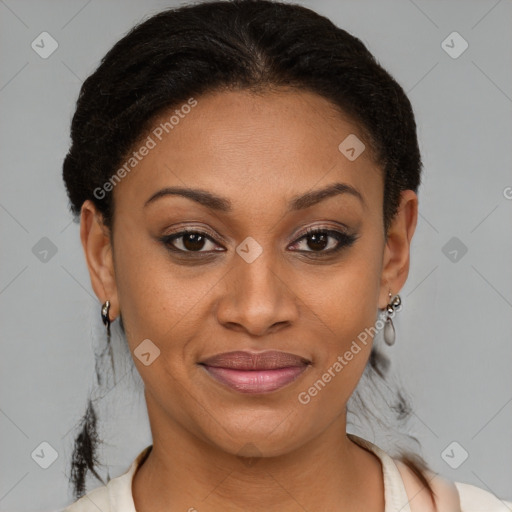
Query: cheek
[(348, 314), (344, 302), (143, 289), (345, 312), (159, 300)]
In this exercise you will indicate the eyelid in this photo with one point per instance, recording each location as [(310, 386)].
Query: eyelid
[(180, 230), (213, 236), (312, 229)]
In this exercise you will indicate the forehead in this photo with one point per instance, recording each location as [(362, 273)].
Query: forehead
[(241, 143)]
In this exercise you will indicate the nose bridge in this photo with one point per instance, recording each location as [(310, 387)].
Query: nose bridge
[(257, 272), (257, 296)]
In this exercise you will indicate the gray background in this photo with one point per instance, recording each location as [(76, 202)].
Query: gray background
[(454, 333)]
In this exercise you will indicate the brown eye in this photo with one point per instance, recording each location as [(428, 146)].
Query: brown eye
[(189, 241), (317, 242), (325, 241)]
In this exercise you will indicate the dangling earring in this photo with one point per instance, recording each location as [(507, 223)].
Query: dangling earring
[(104, 316), (389, 329), (105, 308)]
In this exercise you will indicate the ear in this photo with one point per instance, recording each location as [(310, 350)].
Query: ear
[(396, 257), (95, 237)]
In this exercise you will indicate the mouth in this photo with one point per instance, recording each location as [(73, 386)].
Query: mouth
[(262, 372)]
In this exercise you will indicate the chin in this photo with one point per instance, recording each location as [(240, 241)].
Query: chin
[(258, 434)]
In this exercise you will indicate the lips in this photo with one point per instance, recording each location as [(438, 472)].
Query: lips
[(249, 372), (241, 360)]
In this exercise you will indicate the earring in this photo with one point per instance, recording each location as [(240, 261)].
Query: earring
[(105, 308), (105, 318), (395, 304)]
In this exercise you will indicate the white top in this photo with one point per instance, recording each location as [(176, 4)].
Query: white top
[(401, 490)]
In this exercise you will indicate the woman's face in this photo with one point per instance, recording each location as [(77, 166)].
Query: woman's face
[(253, 280)]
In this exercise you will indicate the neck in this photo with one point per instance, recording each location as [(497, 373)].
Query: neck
[(330, 472)]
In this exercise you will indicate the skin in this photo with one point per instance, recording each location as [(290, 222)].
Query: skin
[(259, 151)]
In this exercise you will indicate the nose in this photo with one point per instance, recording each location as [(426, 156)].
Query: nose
[(258, 297)]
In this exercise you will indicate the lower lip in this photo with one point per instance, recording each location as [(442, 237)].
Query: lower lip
[(255, 381)]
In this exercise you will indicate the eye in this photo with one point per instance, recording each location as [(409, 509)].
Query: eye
[(189, 241), (321, 240), (325, 241)]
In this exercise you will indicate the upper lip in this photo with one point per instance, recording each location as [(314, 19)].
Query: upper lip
[(242, 360)]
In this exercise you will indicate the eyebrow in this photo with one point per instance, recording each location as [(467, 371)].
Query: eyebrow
[(222, 204)]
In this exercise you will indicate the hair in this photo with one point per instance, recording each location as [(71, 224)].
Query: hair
[(253, 45)]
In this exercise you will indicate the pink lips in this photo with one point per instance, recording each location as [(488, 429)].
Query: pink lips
[(262, 372)]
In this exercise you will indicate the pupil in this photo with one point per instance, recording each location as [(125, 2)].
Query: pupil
[(193, 241), (320, 239)]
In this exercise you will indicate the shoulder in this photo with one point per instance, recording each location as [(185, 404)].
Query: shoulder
[(474, 499), (445, 491), (116, 496), (97, 499), (450, 496)]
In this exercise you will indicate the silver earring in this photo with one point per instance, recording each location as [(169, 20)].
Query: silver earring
[(105, 308), (395, 304), (105, 318)]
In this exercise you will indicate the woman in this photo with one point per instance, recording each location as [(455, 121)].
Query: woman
[(246, 177)]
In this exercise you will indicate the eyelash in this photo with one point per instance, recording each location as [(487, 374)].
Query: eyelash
[(344, 240)]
